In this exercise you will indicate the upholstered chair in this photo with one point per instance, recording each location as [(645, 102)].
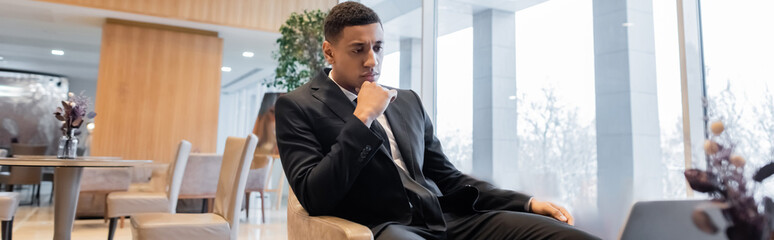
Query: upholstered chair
[(120, 204), (222, 224), (301, 226)]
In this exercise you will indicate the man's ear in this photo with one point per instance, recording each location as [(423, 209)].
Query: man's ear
[(328, 51)]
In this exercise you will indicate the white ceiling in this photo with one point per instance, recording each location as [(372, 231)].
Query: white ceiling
[(29, 30)]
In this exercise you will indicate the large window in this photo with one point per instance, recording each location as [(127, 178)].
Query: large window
[(555, 154), (455, 97), (669, 98), (556, 104)]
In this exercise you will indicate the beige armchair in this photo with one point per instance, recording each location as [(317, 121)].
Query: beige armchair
[(120, 204), (223, 223), (302, 226), (257, 178), (200, 181)]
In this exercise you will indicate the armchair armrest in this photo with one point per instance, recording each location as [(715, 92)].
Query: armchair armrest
[(303, 226)]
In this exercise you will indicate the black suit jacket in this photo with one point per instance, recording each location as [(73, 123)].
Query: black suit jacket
[(337, 166)]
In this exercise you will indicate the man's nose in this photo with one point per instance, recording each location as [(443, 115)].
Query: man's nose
[(371, 61)]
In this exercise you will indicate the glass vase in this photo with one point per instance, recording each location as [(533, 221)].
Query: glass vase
[(68, 146)]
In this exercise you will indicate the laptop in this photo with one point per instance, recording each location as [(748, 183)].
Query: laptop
[(665, 220)]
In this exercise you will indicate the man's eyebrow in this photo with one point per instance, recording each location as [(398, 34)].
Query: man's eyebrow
[(358, 44)]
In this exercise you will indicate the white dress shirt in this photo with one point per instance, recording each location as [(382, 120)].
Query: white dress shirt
[(396, 156)]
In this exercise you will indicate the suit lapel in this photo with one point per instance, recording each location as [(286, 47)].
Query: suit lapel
[(330, 94)]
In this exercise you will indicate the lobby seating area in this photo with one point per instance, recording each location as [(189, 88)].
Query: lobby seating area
[(240, 119)]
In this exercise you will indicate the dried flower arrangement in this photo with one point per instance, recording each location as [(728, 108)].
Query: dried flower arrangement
[(725, 182)]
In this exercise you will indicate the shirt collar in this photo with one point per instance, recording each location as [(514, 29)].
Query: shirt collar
[(347, 93)]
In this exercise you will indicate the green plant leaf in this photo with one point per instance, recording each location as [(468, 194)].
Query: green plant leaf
[(299, 51)]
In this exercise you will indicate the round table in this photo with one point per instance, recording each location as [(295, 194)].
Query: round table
[(67, 178)]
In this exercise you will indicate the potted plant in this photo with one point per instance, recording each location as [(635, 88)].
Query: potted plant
[(300, 54)]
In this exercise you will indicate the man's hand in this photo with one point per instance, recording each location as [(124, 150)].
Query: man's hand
[(372, 100), (551, 210)]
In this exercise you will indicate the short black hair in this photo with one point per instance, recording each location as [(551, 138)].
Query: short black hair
[(347, 14)]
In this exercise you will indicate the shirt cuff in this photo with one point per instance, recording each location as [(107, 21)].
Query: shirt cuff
[(528, 206)]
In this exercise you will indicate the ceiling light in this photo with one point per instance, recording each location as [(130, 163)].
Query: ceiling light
[(248, 54), (57, 52), (1, 58), (225, 69), (512, 97)]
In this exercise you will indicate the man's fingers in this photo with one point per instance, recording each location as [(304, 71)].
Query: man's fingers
[(556, 213), (570, 219)]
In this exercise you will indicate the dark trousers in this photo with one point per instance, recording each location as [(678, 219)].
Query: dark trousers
[(490, 225)]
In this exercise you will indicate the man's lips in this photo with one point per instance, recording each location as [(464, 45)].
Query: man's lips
[(370, 76)]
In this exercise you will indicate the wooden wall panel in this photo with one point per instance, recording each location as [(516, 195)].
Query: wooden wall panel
[(265, 15), (156, 87)]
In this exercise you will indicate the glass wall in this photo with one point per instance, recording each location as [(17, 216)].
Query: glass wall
[(556, 104), (454, 125), (669, 98)]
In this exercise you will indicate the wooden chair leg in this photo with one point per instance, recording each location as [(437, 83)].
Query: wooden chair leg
[(263, 212), (121, 225), (112, 228), (10, 229)]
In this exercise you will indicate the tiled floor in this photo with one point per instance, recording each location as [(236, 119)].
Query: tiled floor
[(32, 222)]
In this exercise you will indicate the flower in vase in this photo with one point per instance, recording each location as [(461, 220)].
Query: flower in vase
[(73, 112)]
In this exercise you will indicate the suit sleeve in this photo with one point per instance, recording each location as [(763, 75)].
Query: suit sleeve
[(321, 180), (438, 168)]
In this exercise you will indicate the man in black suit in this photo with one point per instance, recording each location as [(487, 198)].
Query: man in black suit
[(356, 150)]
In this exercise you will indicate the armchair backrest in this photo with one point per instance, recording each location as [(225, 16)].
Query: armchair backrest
[(233, 176), (175, 173)]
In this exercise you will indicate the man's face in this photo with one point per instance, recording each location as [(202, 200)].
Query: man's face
[(356, 56)]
